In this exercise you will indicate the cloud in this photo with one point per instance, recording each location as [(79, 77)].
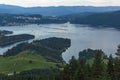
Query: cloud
[(96, 1), (29, 3)]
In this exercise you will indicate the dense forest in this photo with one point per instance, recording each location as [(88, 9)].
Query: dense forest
[(50, 48), (8, 40), (106, 19), (97, 67), (5, 32)]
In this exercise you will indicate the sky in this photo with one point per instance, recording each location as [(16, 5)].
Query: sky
[(31, 3)]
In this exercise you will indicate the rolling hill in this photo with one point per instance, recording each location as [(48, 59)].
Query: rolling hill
[(40, 54), (21, 62)]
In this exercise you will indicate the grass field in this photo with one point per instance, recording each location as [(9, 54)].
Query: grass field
[(22, 62)]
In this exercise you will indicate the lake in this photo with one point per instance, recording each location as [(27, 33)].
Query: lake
[(82, 36)]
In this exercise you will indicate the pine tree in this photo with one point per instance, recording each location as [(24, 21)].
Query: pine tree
[(98, 67), (66, 73), (117, 64), (70, 69), (80, 72), (73, 65), (110, 68), (88, 71), (118, 52)]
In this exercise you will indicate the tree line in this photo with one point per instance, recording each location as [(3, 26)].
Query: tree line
[(99, 68), (102, 68), (50, 48)]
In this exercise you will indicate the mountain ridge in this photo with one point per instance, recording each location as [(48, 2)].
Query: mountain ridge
[(106, 19), (54, 10)]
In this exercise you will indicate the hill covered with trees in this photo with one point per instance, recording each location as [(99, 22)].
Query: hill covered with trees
[(50, 48), (107, 19), (8, 40), (42, 55), (101, 68), (54, 10), (88, 54), (5, 32)]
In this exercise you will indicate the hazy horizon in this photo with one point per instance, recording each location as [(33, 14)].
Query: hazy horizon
[(46, 3), (58, 6)]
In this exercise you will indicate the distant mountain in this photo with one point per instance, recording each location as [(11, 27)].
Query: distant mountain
[(78, 15), (11, 9), (108, 19), (54, 11)]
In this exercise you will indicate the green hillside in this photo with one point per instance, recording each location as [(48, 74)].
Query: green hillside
[(41, 54), (25, 60)]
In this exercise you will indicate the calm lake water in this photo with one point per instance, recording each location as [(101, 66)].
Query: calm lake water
[(82, 37)]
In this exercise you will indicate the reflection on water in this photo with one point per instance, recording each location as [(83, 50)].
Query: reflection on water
[(82, 37)]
